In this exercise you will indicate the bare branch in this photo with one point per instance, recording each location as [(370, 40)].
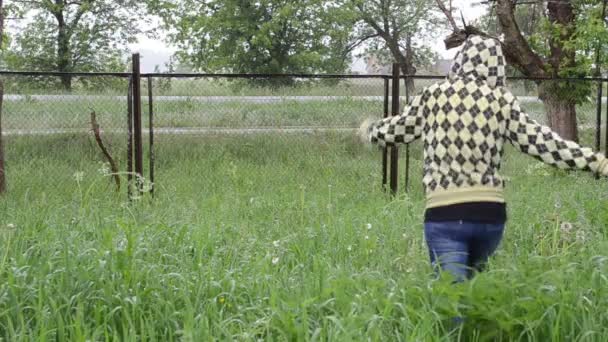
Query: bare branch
[(448, 14), (360, 41), (104, 150)]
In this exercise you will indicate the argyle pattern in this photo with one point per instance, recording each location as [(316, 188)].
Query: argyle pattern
[(464, 123), (480, 58)]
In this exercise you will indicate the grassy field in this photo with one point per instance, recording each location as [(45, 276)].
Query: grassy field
[(282, 238)]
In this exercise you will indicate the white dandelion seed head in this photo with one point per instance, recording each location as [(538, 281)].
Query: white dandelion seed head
[(565, 227)]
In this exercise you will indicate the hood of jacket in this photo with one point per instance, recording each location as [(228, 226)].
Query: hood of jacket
[(480, 58)]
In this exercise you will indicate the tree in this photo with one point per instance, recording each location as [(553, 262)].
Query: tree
[(560, 44), (264, 36), (395, 26), (78, 35)]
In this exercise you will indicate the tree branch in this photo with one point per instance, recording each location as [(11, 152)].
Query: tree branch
[(360, 41), (104, 150), (516, 48), (448, 14)]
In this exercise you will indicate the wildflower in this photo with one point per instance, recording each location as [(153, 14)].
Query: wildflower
[(404, 235), (566, 227), (366, 237), (79, 176), (349, 248), (275, 260), (369, 226), (276, 243), (10, 226)]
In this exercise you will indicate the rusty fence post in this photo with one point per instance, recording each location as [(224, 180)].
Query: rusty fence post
[(407, 146), (385, 150), (394, 149), (129, 137), (138, 148), (606, 130), (598, 121), (151, 134)]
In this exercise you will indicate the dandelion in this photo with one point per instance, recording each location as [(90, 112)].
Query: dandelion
[(369, 226), (276, 243), (275, 260), (566, 227), (78, 176)]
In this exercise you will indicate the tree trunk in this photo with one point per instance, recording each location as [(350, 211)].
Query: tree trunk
[(561, 113), (63, 52), (409, 68)]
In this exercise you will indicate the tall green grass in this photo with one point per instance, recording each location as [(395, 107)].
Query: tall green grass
[(283, 238)]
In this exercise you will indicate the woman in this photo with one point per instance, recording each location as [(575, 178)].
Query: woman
[(464, 122)]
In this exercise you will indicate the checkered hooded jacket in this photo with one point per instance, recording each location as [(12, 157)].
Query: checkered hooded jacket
[(464, 123)]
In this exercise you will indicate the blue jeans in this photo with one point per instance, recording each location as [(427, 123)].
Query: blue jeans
[(461, 248)]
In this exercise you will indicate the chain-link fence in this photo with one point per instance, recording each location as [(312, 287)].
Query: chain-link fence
[(47, 124), (44, 120)]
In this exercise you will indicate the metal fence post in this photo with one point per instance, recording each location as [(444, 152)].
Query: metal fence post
[(139, 160), (151, 133), (385, 150), (598, 121), (606, 130), (129, 137), (407, 146), (394, 149)]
